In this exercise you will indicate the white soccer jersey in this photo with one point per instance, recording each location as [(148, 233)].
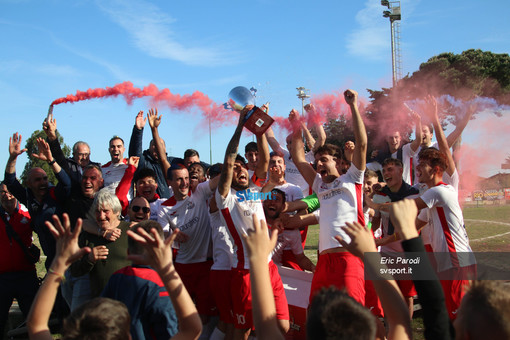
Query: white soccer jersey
[(191, 216), (236, 213), (223, 248), (292, 174), (156, 207), (341, 201), (289, 239), (112, 174), (447, 230)]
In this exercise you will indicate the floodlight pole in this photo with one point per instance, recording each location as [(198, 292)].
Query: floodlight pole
[(303, 93), (394, 14)]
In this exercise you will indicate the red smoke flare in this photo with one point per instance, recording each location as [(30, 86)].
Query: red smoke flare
[(186, 102)]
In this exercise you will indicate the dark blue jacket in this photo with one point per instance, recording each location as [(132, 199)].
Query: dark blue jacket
[(140, 288)]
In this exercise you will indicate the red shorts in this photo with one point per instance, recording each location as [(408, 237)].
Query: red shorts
[(407, 288), (303, 236), (454, 290), (342, 270), (220, 284), (372, 301), (195, 277), (241, 297), (289, 260)]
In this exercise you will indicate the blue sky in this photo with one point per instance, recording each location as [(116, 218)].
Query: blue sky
[(53, 48)]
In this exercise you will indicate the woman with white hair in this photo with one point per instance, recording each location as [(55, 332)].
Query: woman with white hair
[(107, 255)]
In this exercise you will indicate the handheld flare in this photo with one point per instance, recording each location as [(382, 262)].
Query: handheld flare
[(50, 111)]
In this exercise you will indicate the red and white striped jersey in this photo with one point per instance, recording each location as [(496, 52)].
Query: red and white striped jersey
[(446, 223)]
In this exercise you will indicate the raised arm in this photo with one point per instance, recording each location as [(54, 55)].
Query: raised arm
[(435, 315), (415, 144), (158, 254), (259, 245), (50, 128), (135, 143), (263, 162), (67, 252), (14, 151), (358, 127), (314, 144), (154, 121), (453, 137), (431, 112), (230, 156), (297, 152), (271, 139), (46, 155)]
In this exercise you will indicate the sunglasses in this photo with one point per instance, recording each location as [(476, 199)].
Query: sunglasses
[(136, 208)]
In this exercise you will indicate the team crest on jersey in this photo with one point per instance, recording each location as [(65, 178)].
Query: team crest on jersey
[(24, 220), (190, 205)]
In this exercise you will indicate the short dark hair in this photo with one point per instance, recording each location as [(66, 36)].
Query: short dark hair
[(214, 170), (114, 138), (241, 159), (174, 166), (393, 161), (144, 173), (198, 163), (329, 149), (191, 153), (484, 311), (133, 246), (99, 318), (334, 314), (434, 157), (251, 146), (277, 153)]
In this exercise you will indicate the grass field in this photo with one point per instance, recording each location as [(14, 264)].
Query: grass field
[(488, 228)]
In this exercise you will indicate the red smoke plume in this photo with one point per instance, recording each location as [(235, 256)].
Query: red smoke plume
[(187, 102)]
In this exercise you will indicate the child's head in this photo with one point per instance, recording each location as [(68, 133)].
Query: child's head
[(334, 314), (99, 318), (484, 312), (134, 248)]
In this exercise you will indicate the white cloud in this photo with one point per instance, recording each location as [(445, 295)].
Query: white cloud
[(371, 39), (150, 29)]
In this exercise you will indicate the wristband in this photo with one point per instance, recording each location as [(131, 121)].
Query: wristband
[(52, 162), (51, 271)]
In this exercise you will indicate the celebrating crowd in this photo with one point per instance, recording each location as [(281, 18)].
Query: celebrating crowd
[(160, 247)]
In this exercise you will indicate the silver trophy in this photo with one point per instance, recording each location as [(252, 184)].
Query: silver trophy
[(256, 120)]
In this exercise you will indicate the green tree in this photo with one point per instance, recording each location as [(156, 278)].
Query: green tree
[(463, 76), (31, 146)]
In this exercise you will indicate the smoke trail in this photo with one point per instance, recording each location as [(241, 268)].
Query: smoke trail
[(211, 110)]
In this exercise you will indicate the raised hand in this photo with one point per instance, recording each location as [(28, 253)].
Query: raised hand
[(154, 119), (15, 145), (140, 121), (158, 252), (362, 240), (44, 151), (403, 216), (351, 97), (50, 127), (67, 250), (258, 242)]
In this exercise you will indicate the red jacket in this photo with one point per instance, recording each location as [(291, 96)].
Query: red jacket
[(12, 257)]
